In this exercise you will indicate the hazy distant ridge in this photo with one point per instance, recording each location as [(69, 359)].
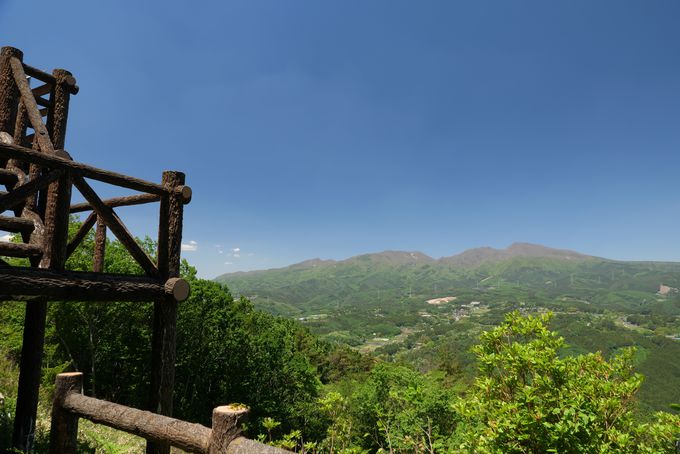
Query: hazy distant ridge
[(469, 258)]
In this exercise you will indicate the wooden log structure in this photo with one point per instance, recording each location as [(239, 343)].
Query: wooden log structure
[(38, 184), (165, 309), (55, 237), (222, 438), (21, 282)]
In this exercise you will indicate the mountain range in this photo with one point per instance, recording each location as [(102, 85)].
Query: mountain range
[(407, 306), (469, 258), (389, 276)]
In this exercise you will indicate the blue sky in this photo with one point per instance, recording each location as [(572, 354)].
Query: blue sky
[(329, 129)]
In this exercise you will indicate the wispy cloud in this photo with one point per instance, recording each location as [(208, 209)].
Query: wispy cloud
[(235, 252), (228, 263), (190, 247)]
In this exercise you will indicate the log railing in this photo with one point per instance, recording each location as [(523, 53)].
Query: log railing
[(222, 438)]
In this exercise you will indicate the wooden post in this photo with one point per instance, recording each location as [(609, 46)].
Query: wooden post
[(29, 373), (9, 92), (165, 309), (54, 257), (64, 426), (226, 427), (99, 246)]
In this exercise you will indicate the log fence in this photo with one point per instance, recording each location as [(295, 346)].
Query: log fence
[(222, 438)]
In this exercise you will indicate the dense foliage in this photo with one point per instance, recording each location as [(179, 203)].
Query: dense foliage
[(528, 399)]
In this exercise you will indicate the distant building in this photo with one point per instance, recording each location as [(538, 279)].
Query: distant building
[(665, 290)]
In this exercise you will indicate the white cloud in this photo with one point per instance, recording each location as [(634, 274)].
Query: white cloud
[(235, 252), (6, 238), (228, 263), (190, 247)]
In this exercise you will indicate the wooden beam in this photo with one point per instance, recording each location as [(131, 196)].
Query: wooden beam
[(8, 177), (187, 436), (32, 346), (86, 286), (42, 89), (9, 93), (116, 226), (163, 340), (138, 199), (19, 250), (81, 234), (34, 115), (15, 225), (59, 192), (50, 79), (20, 126), (99, 246), (42, 76), (42, 101), (12, 151), (11, 199)]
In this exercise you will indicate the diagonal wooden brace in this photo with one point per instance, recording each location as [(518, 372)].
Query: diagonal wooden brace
[(116, 226)]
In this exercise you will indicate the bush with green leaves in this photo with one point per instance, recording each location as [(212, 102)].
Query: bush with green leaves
[(528, 399)]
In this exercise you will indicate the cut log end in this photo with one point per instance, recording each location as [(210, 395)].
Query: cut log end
[(63, 154), (234, 411), (12, 52), (6, 138), (178, 288), (70, 374), (185, 193)]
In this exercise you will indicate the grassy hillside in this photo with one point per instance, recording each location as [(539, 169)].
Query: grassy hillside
[(379, 302)]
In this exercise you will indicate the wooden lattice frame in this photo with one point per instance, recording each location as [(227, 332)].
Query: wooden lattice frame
[(39, 176)]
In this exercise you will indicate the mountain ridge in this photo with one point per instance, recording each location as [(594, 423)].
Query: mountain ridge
[(468, 258)]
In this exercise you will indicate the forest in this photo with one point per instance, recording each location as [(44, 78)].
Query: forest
[(515, 386)]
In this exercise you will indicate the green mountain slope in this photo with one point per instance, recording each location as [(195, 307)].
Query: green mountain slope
[(408, 306), (385, 278)]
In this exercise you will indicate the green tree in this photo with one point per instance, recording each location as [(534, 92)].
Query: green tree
[(402, 410), (229, 352), (527, 399)]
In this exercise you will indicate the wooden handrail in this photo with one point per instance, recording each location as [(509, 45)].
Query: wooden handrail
[(184, 435), (137, 199), (70, 405), (49, 78), (11, 151)]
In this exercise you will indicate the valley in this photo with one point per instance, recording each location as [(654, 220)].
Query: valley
[(408, 307)]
